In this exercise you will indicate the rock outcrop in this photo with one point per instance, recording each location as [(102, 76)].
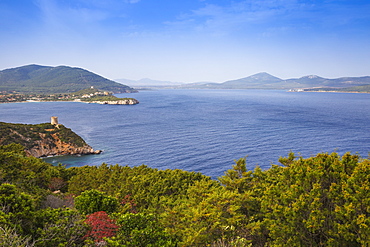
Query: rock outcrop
[(42, 140), (117, 102), (54, 146)]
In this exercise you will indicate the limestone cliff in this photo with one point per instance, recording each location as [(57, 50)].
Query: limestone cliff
[(117, 102), (41, 140)]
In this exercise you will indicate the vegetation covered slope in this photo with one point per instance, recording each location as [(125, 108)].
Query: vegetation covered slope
[(43, 139), (318, 201), (85, 95), (362, 89), (267, 81), (357, 89), (61, 79)]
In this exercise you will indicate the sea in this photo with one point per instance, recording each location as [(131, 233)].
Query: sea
[(207, 130)]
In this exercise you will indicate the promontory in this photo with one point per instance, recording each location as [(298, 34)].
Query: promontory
[(45, 139)]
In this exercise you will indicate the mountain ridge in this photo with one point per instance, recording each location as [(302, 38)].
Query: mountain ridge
[(35, 78), (264, 80)]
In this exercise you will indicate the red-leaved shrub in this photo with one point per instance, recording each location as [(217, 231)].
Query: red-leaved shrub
[(101, 226)]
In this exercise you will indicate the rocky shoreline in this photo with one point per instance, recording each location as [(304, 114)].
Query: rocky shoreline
[(60, 149), (45, 140), (47, 147), (117, 102)]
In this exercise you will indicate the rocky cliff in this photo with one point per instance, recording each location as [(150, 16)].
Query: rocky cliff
[(41, 140), (117, 102)]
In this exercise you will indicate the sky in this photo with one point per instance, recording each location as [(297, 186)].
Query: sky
[(189, 40)]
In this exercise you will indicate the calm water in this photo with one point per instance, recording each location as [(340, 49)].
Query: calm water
[(206, 130)]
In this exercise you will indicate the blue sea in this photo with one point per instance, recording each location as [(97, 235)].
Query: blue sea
[(206, 130)]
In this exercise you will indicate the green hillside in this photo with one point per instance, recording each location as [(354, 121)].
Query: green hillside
[(61, 79), (257, 80), (319, 201), (29, 134), (357, 89), (362, 89)]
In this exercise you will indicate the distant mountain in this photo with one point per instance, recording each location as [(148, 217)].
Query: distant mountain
[(146, 82), (310, 80), (61, 79), (267, 81), (364, 88), (253, 81), (356, 89), (256, 81), (349, 81), (316, 81)]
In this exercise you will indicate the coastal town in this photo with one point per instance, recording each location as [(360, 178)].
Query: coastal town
[(90, 95)]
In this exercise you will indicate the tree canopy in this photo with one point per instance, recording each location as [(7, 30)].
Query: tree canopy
[(323, 200)]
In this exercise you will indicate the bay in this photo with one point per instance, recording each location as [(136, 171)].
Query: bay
[(206, 130)]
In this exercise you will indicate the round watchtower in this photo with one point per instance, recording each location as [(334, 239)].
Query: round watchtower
[(54, 120)]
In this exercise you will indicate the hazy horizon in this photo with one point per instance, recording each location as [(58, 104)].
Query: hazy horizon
[(143, 80), (189, 41)]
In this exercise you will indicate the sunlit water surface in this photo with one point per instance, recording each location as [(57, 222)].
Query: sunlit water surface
[(206, 130)]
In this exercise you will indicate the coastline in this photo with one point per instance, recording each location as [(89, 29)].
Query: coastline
[(131, 101), (323, 91)]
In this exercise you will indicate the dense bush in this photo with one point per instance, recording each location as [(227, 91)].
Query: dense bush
[(29, 134), (319, 201)]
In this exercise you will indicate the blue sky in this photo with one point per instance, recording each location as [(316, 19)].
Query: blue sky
[(189, 40)]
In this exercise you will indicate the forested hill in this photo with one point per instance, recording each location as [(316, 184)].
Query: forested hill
[(41, 140), (320, 201), (60, 79), (357, 89)]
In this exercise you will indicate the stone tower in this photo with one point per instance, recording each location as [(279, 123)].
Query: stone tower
[(54, 120)]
